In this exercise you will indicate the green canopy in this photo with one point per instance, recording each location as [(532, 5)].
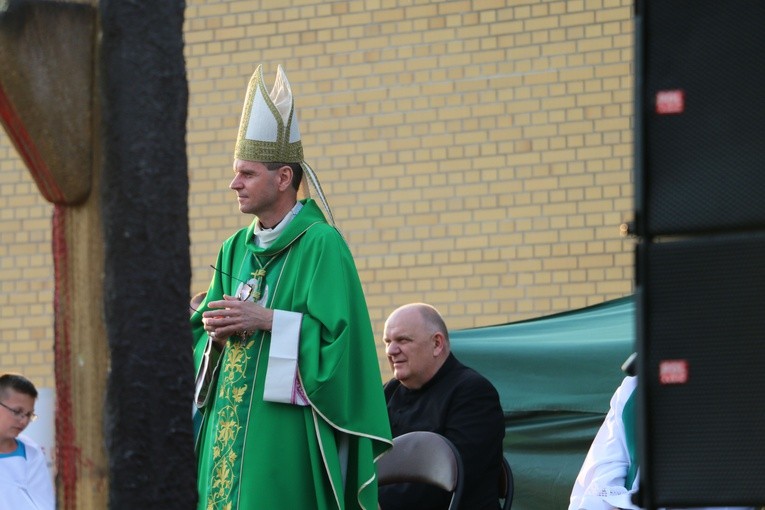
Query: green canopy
[(555, 376)]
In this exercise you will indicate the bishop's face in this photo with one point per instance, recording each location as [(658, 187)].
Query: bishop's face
[(256, 187)]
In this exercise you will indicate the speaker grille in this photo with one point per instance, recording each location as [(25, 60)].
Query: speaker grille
[(703, 310), (705, 165)]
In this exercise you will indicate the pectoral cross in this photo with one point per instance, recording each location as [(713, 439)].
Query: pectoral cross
[(257, 283)]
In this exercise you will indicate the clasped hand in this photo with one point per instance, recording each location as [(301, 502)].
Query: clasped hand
[(231, 317)]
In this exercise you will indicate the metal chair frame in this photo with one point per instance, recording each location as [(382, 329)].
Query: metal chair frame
[(506, 485)]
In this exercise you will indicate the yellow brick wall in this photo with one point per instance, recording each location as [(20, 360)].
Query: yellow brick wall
[(477, 154), (26, 273)]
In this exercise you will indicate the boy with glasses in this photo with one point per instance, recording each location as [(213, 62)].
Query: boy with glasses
[(25, 483)]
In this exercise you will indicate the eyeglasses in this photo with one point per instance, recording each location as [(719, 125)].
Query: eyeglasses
[(20, 414)]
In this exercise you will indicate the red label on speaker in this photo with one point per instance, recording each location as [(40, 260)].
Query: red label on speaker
[(670, 102), (673, 371)]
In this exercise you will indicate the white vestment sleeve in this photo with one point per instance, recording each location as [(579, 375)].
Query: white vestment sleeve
[(600, 482), (282, 383)]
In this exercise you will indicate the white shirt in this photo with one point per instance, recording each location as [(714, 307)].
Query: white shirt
[(25, 483)]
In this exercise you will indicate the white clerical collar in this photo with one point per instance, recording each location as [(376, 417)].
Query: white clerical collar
[(264, 237)]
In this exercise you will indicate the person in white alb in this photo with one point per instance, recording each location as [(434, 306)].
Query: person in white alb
[(25, 482)]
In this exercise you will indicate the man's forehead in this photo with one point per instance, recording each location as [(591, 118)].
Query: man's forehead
[(245, 165), (398, 334), (16, 396), (403, 326)]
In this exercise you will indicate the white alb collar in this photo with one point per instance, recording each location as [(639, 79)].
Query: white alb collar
[(264, 237)]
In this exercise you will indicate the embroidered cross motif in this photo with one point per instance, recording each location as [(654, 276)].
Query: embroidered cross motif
[(255, 283)]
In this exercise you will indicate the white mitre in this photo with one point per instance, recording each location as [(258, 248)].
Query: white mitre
[(268, 131)]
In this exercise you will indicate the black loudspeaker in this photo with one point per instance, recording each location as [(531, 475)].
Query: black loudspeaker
[(701, 371), (700, 262), (700, 116)]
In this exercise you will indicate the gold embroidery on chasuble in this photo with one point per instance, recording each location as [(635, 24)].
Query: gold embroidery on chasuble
[(232, 409), (235, 387)]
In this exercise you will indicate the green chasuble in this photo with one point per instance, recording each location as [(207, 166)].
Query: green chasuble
[(255, 454)]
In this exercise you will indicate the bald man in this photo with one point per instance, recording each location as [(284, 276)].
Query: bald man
[(431, 390)]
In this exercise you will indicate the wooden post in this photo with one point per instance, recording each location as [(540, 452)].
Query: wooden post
[(47, 105)]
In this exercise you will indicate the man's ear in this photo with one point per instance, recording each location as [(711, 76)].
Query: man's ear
[(439, 343), (285, 177)]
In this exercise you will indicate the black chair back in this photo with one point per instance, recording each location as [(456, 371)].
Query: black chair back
[(424, 457)]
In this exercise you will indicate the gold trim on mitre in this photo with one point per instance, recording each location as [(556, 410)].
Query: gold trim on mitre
[(268, 130)]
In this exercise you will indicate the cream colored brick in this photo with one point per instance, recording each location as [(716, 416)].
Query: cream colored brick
[(579, 18)]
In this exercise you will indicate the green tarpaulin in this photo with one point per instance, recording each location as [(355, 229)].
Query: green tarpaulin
[(555, 376)]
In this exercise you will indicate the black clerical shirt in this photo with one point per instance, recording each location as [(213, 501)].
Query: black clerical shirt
[(463, 406)]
